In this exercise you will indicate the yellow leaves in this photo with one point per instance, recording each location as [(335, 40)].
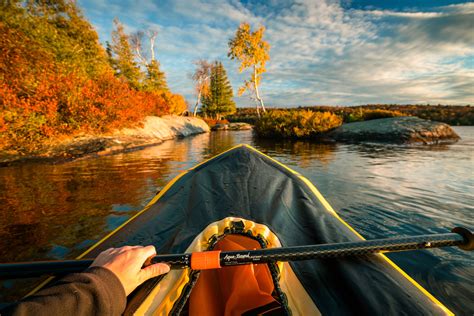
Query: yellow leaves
[(296, 123), (251, 50), (248, 85), (249, 47)]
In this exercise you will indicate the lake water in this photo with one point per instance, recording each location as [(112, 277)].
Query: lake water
[(58, 211)]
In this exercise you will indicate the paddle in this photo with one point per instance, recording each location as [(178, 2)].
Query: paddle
[(461, 237)]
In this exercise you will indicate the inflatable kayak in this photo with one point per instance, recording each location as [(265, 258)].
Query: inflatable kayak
[(242, 199)]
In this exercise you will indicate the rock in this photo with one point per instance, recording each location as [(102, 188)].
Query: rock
[(403, 129), (220, 127), (239, 126), (232, 127), (166, 127), (154, 131)]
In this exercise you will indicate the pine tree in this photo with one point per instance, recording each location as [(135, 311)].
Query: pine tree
[(155, 78), (123, 57), (219, 101)]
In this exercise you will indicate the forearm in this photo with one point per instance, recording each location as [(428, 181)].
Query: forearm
[(97, 291)]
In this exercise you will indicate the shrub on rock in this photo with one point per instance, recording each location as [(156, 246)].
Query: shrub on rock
[(296, 124)]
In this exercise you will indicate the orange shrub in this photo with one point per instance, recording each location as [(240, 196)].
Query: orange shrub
[(176, 102), (39, 99), (211, 122)]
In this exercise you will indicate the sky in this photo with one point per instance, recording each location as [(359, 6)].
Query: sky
[(323, 52)]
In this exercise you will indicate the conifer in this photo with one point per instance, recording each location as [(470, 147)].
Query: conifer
[(155, 78), (123, 57), (219, 101)]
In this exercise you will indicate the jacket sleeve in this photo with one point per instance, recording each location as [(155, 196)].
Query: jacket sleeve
[(96, 291)]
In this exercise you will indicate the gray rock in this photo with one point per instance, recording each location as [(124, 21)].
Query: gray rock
[(239, 126), (220, 127), (403, 129), (232, 127)]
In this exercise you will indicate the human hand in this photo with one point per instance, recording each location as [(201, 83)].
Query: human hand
[(127, 262)]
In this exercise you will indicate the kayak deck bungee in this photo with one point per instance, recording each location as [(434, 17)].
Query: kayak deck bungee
[(198, 210)]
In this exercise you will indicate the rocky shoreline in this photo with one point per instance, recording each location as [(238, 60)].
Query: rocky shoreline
[(395, 130), (155, 130)]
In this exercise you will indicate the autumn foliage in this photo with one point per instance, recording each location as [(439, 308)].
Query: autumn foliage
[(46, 91), (296, 123)]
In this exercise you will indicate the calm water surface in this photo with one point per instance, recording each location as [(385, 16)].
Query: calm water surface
[(58, 211)]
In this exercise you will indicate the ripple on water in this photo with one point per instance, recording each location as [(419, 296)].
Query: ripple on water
[(381, 190)]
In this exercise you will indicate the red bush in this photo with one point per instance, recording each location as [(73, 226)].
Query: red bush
[(39, 99)]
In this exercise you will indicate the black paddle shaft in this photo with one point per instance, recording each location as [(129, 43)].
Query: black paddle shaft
[(460, 237), (340, 250)]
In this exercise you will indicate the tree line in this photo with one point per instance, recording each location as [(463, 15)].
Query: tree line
[(450, 114), (57, 80), (213, 89)]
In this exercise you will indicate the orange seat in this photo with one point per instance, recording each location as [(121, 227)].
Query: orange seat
[(232, 290)]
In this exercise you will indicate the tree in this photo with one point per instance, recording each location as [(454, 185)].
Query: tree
[(155, 79), (201, 77), (123, 59), (219, 101), (253, 52)]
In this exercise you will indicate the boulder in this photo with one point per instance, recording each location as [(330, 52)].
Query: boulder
[(239, 126), (166, 127), (232, 127), (403, 129)]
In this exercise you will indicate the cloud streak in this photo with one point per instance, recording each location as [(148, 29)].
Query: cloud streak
[(322, 51)]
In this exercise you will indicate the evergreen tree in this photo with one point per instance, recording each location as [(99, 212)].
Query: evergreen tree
[(123, 58), (155, 78), (219, 101)]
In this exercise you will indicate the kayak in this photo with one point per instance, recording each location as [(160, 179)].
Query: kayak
[(243, 199)]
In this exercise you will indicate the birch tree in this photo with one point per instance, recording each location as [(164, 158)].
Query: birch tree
[(155, 79), (253, 52), (201, 78)]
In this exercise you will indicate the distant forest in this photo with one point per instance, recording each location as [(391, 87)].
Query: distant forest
[(452, 115)]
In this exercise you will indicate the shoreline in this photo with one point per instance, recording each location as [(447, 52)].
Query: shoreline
[(155, 131)]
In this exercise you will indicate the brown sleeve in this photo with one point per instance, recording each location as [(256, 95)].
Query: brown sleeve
[(96, 291)]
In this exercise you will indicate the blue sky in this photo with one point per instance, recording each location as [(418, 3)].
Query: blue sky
[(323, 52)]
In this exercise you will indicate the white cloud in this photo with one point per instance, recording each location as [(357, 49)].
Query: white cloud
[(322, 53)]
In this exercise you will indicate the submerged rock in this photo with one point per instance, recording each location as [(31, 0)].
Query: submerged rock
[(403, 129)]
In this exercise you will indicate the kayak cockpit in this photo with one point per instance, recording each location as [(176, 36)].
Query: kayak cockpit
[(264, 289)]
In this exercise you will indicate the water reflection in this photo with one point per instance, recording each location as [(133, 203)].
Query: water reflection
[(46, 206), (304, 152), (58, 211)]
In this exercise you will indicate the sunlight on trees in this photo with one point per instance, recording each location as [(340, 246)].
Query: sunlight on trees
[(201, 78), (122, 57), (56, 80), (155, 79), (219, 101), (253, 52)]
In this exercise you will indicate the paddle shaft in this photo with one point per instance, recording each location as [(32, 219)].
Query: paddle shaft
[(336, 250), (214, 259)]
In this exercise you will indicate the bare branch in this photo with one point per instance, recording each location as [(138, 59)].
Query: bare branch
[(201, 77), (136, 40), (152, 34)]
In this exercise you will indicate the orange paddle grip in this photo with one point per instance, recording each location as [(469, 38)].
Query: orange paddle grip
[(206, 260)]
